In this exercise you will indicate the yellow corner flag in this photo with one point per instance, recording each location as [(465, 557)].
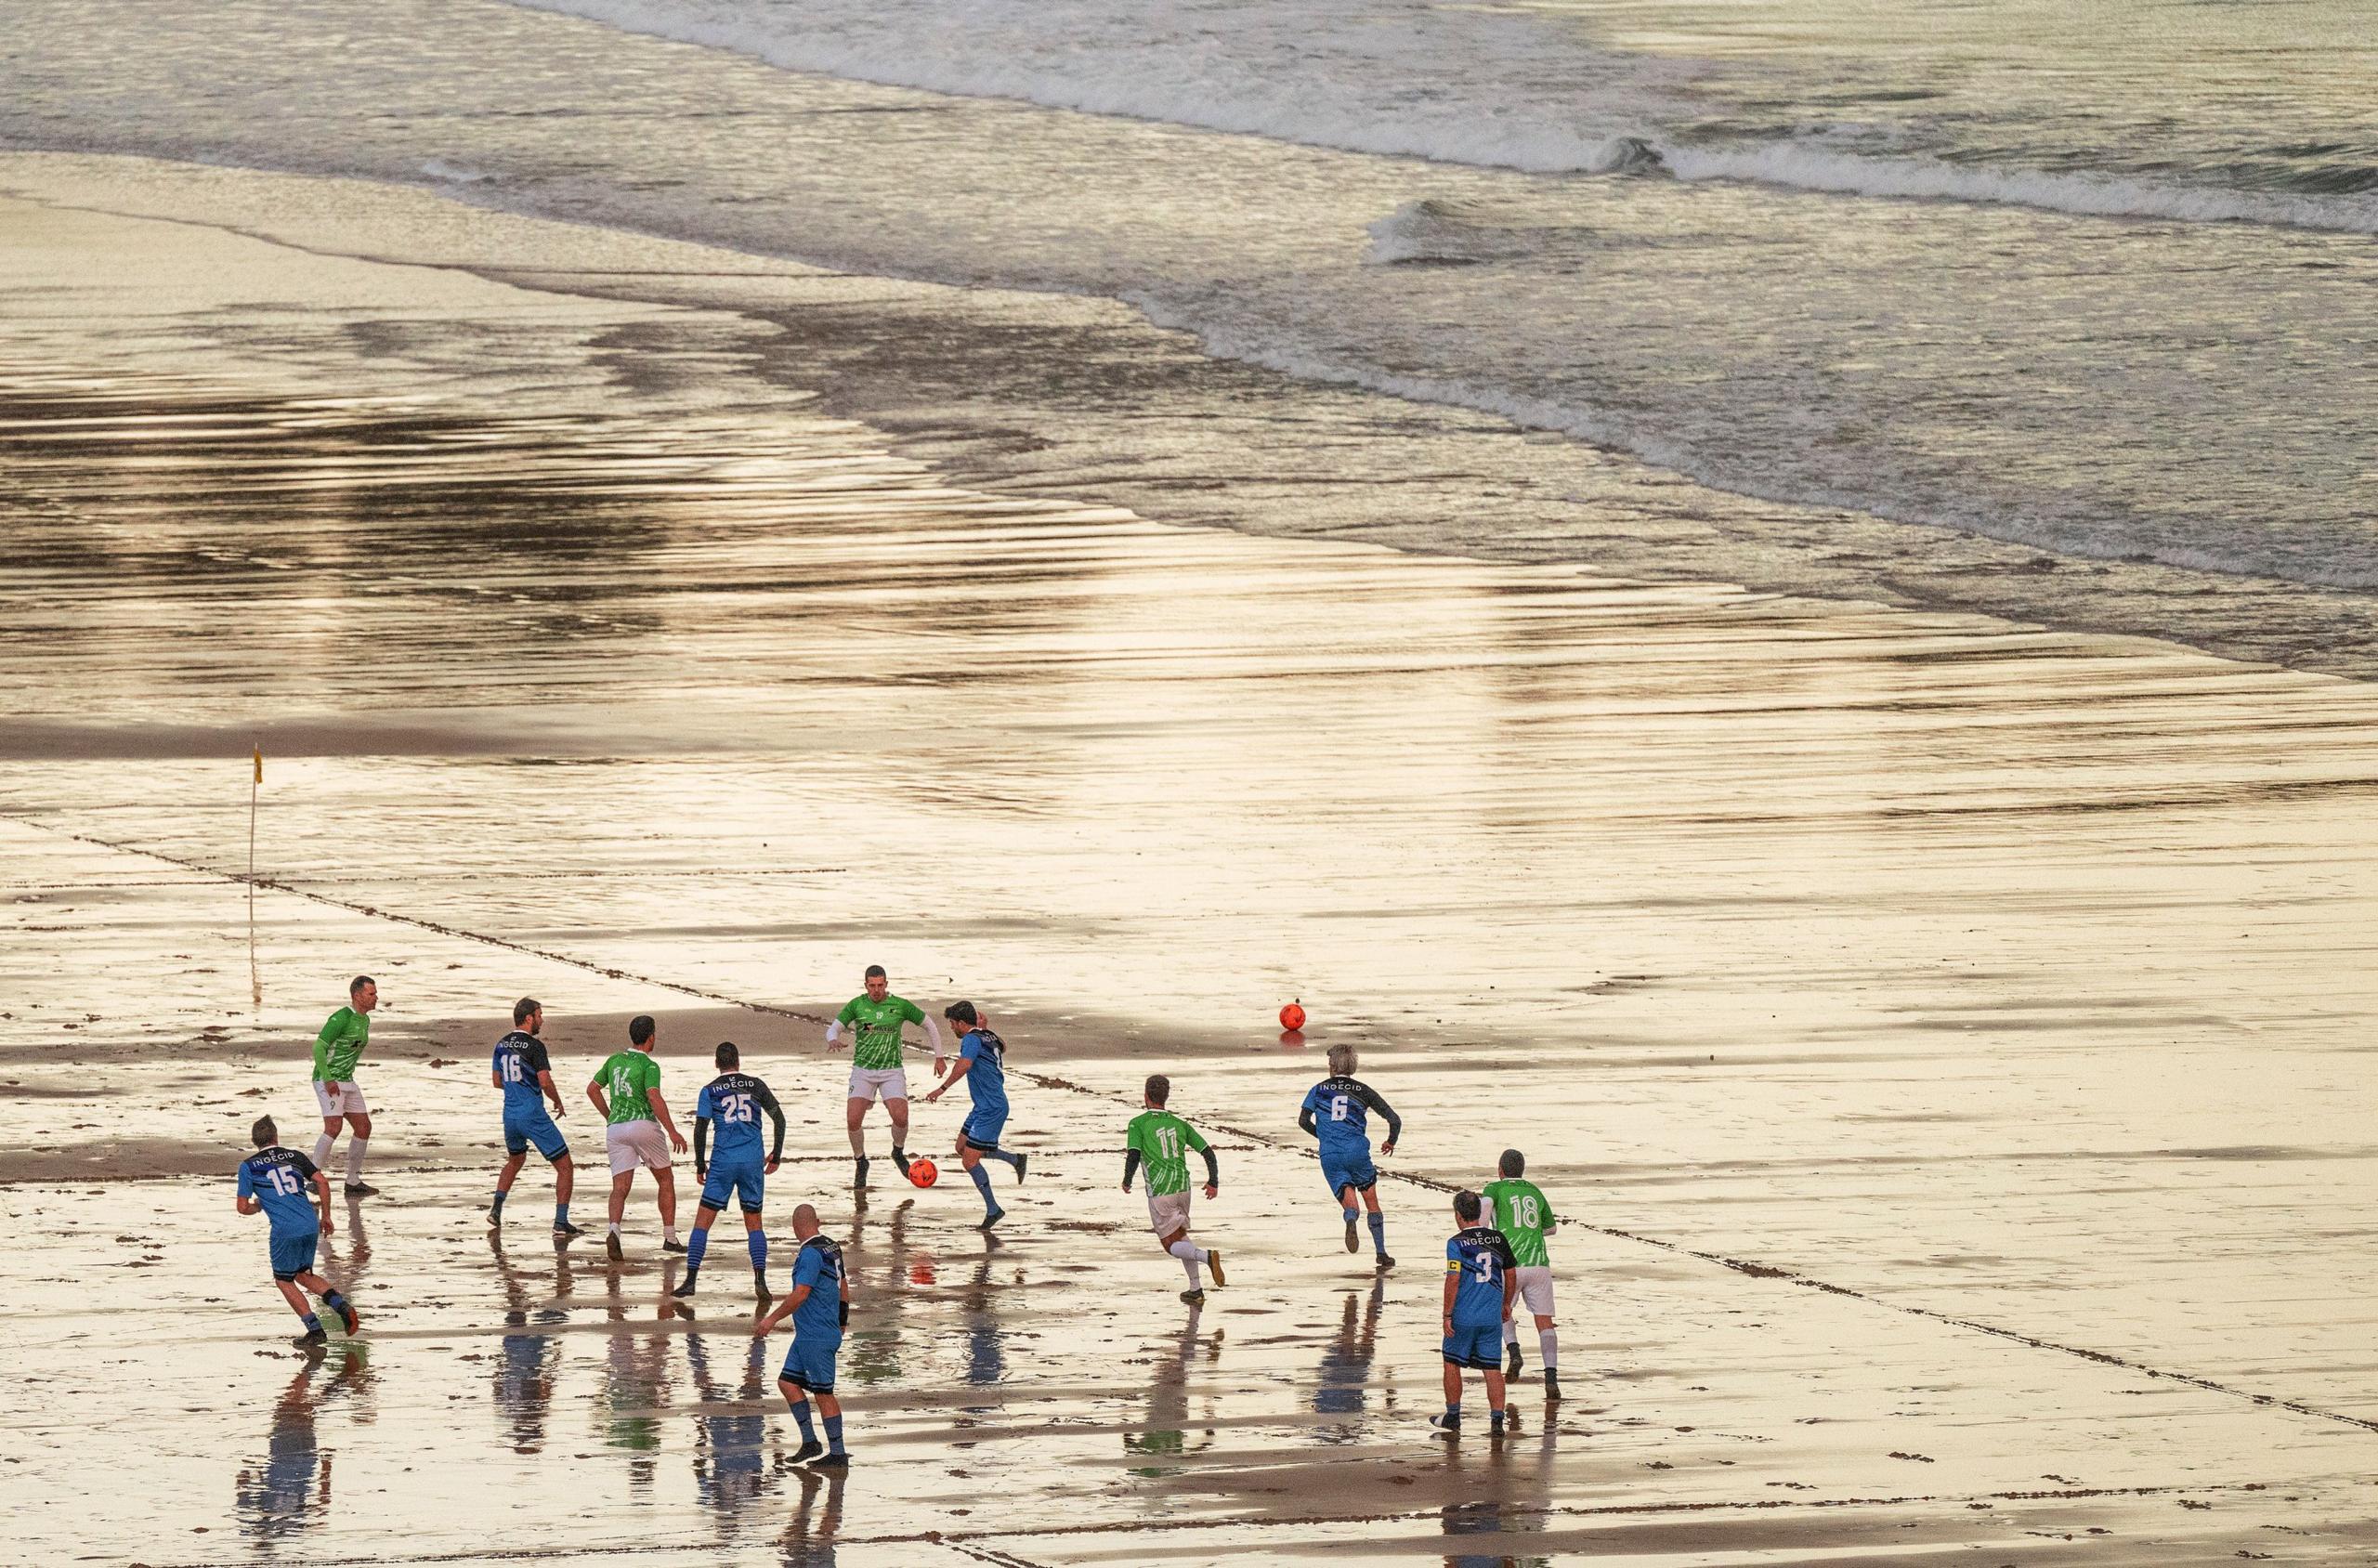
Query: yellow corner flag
[(259, 765)]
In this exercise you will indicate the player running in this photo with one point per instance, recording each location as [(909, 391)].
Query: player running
[(874, 1020), (341, 1098), (819, 1303), (1520, 1212), (275, 1180), (1336, 1111), (982, 1062), (1162, 1142), (525, 1073), (634, 1118), (1479, 1287), (734, 1100)]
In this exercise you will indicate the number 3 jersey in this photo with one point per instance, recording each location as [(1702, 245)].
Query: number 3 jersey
[(1481, 1255), (519, 1057), (282, 1180), (733, 1103)]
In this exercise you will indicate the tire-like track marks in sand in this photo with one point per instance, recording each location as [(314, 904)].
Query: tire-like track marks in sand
[(1739, 1265)]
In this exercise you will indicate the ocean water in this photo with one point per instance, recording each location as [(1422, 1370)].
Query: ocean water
[(2093, 282)]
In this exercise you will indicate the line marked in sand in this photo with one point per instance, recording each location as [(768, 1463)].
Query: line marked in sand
[(1739, 1266)]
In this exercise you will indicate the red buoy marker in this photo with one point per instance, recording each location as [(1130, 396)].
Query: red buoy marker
[(1292, 1018)]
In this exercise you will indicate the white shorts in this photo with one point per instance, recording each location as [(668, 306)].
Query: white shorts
[(1536, 1289), (1168, 1213), (348, 1102), (635, 1142), (870, 1083)]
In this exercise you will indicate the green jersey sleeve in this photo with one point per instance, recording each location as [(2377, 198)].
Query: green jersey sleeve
[(849, 1011), (647, 1073), (1197, 1139), (912, 1012)]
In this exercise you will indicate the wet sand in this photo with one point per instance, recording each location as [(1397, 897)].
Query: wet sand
[(1947, 1040)]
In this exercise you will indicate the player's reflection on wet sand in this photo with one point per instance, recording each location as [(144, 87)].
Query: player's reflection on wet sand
[(635, 1375), (732, 1468), (351, 1242), (290, 1492), (1343, 1387), (531, 1360), (873, 1356), (1510, 1488), (986, 1340), (1164, 1430), (817, 1520)]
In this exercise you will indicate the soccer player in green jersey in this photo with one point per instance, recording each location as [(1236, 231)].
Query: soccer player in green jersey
[(1162, 1141), (341, 1098), (1522, 1212), (626, 1091), (874, 1020)]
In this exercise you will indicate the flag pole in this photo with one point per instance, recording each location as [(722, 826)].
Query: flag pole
[(254, 785)]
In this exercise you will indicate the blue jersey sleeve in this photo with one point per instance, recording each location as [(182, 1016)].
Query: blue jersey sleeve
[(495, 1062), (247, 1181), (971, 1048), (1312, 1101), (809, 1268), (701, 1104)]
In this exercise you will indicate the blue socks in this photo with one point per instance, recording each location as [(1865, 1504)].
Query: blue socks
[(1349, 1215), (335, 1302), (695, 1244), (1001, 1155), (983, 1185), (1378, 1234), (313, 1324), (759, 1241), (500, 1196), (833, 1434), (800, 1414), (561, 1214)]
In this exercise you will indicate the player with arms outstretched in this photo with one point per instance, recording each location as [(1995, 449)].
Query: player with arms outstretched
[(874, 1020), (819, 1304), (734, 1101), (982, 1062), (1519, 1210), (525, 1073), (1162, 1141), (1336, 1111), (1479, 1287), (276, 1181)]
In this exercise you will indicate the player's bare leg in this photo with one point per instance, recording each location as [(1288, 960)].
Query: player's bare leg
[(1495, 1399), (1351, 1210), (620, 1185), (503, 1180), (666, 1178)]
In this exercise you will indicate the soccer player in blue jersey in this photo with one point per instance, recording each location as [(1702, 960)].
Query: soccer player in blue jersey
[(982, 1062), (276, 1181), (1479, 1283), (819, 1304), (525, 1073), (733, 1100), (1336, 1111)]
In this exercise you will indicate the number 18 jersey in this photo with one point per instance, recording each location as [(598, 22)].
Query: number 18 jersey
[(1518, 1210)]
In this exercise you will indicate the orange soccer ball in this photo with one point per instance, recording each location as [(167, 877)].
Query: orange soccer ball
[(1292, 1018), (923, 1172)]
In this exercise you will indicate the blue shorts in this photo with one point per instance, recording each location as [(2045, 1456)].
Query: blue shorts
[(1355, 1171), (982, 1131), (294, 1255), (810, 1363), (740, 1176), (1480, 1346), (524, 1128)]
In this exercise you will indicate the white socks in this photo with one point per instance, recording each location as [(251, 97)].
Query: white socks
[(322, 1152), (1551, 1341), (615, 1227), (669, 1233), (1189, 1266), (1190, 1254), (355, 1147), (1510, 1331)]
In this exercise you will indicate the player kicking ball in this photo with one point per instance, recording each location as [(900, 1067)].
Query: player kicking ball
[(874, 1020), (819, 1305), (634, 1116), (1479, 1287), (275, 1180), (525, 1073), (1162, 1141), (1336, 1111), (1519, 1210), (734, 1100), (982, 1062)]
